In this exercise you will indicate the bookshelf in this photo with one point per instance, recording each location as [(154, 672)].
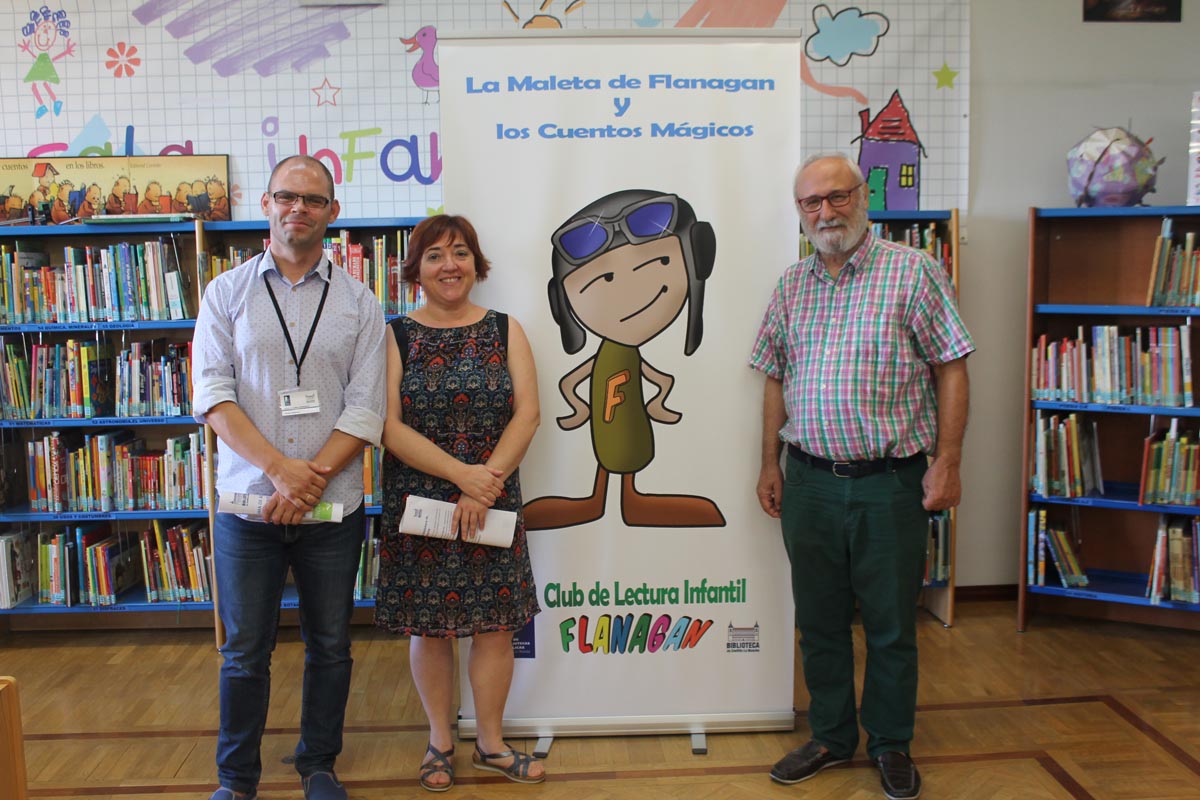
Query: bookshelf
[(936, 232), (191, 247), (1089, 272)]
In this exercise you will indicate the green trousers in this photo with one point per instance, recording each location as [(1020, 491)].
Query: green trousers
[(858, 539)]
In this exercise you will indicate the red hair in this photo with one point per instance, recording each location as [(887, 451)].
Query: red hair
[(432, 230)]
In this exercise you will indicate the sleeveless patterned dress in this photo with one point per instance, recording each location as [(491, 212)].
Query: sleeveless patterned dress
[(457, 392)]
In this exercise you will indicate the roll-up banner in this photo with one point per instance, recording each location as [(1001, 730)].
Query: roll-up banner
[(634, 195)]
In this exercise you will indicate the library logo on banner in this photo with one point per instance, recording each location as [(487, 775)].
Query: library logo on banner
[(742, 640), (523, 642)]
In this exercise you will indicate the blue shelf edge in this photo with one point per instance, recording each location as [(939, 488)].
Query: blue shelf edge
[(66, 327), (916, 215), (92, 230), (1121, 496), (364, 222), (133, 600), (1127, 311), (1114, 587), (1117, 408), (91, 422), (77, 516), (1118, 211)]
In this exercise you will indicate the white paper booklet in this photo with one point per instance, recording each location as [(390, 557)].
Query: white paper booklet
[(426, 517), (252, 505)]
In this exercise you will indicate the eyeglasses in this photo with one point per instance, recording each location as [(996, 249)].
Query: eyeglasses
[(291, 198), (642, 221), (836, 199)]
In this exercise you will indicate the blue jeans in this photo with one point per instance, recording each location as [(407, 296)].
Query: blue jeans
[(251, 561)]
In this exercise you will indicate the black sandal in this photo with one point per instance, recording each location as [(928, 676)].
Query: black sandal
[(439, 764), (517, 771)]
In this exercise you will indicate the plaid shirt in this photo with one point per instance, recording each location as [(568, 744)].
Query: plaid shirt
[(853, 353)]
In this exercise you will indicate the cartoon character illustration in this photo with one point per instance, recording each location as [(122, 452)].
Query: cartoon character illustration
[(179, 205), (197, 199), (218, 200), (14, 204), (115, 204), (425, 73), (624, 268), (61, 211), (91, 202), (45, 190), (151, 199), (43, 30)]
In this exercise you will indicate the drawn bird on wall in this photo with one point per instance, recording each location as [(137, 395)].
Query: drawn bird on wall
[(425, 72)]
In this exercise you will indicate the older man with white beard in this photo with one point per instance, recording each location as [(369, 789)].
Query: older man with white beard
[(864, 355)]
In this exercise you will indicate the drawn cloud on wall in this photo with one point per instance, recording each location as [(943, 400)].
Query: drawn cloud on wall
[(850, 32)]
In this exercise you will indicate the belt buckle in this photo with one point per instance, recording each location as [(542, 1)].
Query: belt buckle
[(834, 469)]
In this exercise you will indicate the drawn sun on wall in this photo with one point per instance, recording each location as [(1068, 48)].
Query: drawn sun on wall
[(543, 20)]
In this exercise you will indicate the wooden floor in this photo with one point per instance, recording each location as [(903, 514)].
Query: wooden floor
[(1069, 709)]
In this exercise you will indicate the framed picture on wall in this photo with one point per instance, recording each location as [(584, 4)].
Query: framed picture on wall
[(1132, 10), (67, 189)]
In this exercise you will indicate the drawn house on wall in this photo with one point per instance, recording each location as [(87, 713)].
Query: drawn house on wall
[(889, 154)]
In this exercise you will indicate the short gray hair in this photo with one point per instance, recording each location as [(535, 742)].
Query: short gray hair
[(850, 162)]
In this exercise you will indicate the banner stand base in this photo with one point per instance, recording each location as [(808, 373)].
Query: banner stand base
[(698, 726)]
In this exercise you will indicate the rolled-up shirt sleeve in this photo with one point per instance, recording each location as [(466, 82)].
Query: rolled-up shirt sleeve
[(364, 396), (213, 378)]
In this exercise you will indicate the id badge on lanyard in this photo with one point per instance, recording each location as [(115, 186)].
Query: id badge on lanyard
[(293, 402)]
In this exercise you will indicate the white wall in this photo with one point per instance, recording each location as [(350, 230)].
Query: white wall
[(1041, 80)]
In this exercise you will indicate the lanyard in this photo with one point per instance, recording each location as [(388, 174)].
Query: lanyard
[(320, 307)]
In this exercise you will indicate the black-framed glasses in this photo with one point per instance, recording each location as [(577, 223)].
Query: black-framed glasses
[(836, 199), (285, 198), (642, 221)]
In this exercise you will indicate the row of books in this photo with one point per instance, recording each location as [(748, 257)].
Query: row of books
[(372, 475), (1066, 457), (177, 563), (1151, 366), (1175, 568), (90, 564), (118, 283), (368, 563), (83, 380), (18, 562), (85, 565), (71, 472), (1053, 540), (378, 269), (1170, 465), (937, 549), (922, 238), (211, 264), (1174, 272)]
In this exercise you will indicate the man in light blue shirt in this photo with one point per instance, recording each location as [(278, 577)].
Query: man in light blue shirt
[(289, 367)]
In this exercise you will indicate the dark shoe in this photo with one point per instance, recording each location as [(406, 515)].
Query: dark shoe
[(899, 776), (439, 764), (804, 762), (230, 794), (323, 786)]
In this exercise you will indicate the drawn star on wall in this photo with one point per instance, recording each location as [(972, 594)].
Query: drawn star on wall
[(326, 93), (945, 77)]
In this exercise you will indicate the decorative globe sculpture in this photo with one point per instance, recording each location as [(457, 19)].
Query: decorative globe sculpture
[(1111, 167)]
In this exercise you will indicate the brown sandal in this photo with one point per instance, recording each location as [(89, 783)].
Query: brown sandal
[(439, 764), (517, 771)]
